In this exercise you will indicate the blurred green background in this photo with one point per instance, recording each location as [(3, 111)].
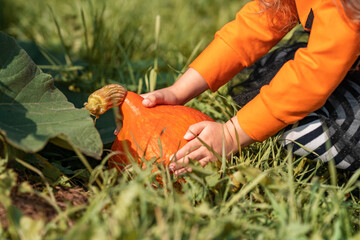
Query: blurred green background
[(89, 43)]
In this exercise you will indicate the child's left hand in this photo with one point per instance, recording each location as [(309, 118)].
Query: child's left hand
[(213, 134)]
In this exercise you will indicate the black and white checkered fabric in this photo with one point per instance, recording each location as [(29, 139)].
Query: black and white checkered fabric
[(332, 132)]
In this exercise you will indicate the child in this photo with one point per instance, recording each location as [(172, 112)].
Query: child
[(295, 95)]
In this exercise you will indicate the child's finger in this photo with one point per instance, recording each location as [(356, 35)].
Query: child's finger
[(182, 171), (186, 150), (178, 164), (182, 162), (194, 130), (204, 161), (151, 100)]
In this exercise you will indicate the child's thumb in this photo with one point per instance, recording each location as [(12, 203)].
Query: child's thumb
[(149, 101), (194, 130)]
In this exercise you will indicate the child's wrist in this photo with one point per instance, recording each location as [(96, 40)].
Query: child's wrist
[(238, 136)]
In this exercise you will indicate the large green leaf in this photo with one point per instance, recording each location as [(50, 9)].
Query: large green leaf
[(105, 124), (33, 111)]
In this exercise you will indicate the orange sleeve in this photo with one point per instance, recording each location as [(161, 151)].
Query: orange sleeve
[(237, 45), (303, 85)]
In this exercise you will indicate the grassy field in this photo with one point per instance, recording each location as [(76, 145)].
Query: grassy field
[(261, 193)]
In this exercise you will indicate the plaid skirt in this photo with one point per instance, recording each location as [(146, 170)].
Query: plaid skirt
[(332, 132)]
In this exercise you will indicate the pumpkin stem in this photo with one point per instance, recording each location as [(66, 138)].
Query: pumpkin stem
[(101, 100)]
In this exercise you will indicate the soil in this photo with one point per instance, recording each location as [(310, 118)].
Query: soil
[(36, 207)]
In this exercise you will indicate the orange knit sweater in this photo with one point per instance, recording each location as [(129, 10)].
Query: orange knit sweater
[(302, 85)]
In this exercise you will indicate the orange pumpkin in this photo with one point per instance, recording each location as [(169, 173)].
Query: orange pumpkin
[(152, 133)]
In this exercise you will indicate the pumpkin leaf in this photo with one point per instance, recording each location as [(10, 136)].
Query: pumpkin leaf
[(33, 111)]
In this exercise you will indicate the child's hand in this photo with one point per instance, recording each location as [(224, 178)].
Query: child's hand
[(213, 134), (163, 96), (188, 86)]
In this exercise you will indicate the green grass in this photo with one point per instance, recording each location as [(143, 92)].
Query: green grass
[(117, 40), (274, 196), (262, 193)]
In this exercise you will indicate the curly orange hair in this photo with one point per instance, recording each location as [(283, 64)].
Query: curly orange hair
[(352, 9), (282, 11), (285, 10)]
